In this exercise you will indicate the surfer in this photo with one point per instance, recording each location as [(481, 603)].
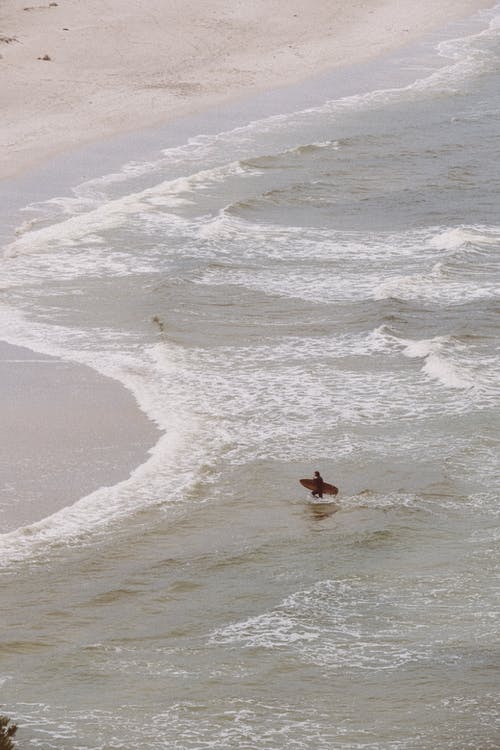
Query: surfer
[(318, 485)]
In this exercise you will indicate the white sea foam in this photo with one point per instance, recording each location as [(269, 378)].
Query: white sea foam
[(276, 722), (158, 384), (453, 365), (359, 264), (327, 625), (270, 630), (435, 287), (446, 372), (452, 239), (167, 196), (294, 242), (222, 723), (294, 349), (366, 623), (286, 402), (355, 262), (90, 259)]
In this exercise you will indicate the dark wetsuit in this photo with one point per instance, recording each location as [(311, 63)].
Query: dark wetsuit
[(318, 485)]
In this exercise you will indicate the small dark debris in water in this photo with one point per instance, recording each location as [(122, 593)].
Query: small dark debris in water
[(45, 57), (8, 39), (159, 322), (53, 5)]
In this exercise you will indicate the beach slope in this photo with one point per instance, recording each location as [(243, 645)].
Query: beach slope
[(74, 72)]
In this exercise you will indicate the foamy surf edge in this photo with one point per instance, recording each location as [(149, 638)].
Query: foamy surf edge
[(175, 462)]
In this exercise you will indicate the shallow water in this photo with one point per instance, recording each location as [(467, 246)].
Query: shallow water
[(317, 289)]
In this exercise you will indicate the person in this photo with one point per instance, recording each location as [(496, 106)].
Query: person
[(318, 485)]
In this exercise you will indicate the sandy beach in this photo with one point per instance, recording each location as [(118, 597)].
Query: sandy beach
[(77, 72)]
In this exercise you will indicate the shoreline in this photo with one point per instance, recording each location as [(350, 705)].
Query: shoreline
[(95, 85), (71, 431), (80, 441)]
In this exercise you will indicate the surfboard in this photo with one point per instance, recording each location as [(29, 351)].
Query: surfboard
[(328, 489)]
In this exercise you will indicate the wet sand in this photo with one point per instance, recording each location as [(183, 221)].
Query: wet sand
[(67, 431)]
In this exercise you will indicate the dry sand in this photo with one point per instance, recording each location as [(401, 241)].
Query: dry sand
[(76, 71)]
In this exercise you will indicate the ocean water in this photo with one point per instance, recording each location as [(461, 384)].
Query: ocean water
[(317, 289)]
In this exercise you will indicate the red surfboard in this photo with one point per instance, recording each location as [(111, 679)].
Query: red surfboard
[(328, 489)]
